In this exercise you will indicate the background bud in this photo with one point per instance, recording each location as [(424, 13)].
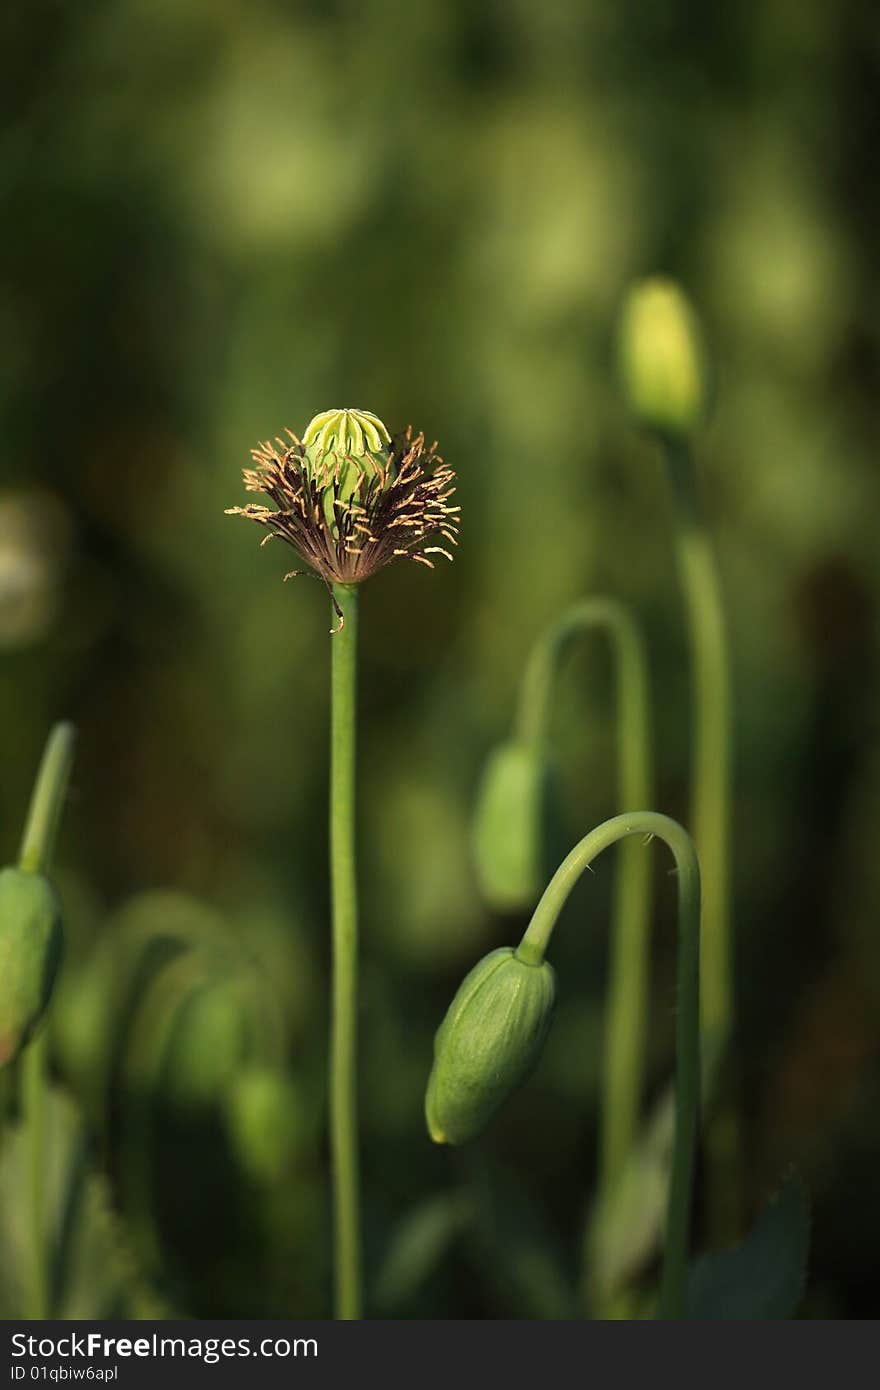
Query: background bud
[(488, 1043), (510, 829), (267, 1121), (661, 359), (210, 1040), (30, 949)]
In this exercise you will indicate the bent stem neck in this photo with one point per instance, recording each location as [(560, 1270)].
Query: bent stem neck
[(624, 1052), (542, 669), (687, 1077)]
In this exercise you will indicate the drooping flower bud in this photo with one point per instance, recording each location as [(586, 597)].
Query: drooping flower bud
[(661, 358), (510, 828), (30, 949), (267, 1121), (210, 1040), (487, 1044)]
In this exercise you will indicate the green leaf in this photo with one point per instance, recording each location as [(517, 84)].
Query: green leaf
[(764, 1278), (518, 1254), (419, 1244), (626, 1224), (94, 1273)]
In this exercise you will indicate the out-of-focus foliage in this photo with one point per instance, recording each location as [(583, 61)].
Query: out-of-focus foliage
[(222, 218), (764, 1277)]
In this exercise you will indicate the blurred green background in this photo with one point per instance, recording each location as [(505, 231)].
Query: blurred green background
[(223, 217)]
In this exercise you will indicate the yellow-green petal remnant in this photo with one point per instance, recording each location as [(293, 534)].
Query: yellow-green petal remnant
[(661, 359)]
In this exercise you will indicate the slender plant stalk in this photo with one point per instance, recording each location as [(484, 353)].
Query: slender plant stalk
[(624, 1061), (35, 856), (33, 1103), (343, 1039), (710, 815), (687, 1074)]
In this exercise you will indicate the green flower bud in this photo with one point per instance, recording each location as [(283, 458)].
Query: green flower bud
[(82, 1009), (30, 949), (661, 358), (210, 1040), (510, 829), (488, 1043), (266, 1120)]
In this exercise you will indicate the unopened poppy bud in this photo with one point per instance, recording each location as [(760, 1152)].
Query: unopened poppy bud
[(487, 1044), (30, 949), (661, 358), (510, 829), (266, 1121), (209, 1041)]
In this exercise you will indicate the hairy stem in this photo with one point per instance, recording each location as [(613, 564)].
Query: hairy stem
[(687, 1038), (343, 1036)]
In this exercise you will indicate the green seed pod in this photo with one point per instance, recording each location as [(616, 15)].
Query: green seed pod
[(30, 949), (266, 1121), (350, 445), (661, 358), (487, 1044), (510, 829)]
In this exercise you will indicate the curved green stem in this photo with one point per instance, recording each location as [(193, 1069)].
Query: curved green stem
[(687, 1036), (35, 856), (343, 1034), (624, 1062), (711, 802)]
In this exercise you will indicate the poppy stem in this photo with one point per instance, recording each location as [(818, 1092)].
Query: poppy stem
[(624, 1061), (687, 1034), (37, 845), (711, 796), (343, 1027)]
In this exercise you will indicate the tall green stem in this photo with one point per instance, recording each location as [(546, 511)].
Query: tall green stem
[(35, 856), (33, 1106), (687, 1076), (343, 1036), (711, 806), (712, 716), (624, 1062)]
